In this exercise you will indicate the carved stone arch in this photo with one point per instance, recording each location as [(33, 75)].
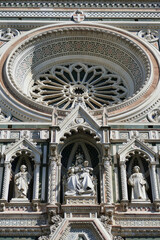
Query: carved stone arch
[(24, 146), (81, 138), (23, 152), (80, 128), (130, 157)]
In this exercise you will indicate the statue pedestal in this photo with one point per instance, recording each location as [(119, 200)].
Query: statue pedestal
[(81, 200), (19, 200), (81, 207), (137, 201)]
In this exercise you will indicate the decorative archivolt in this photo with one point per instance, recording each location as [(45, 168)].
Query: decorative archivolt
[(25, 147), (23, 152), (80, 129), (135, 146), (137, 152)]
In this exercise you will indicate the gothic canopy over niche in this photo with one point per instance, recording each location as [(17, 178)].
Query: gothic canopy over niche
[(58, 66)]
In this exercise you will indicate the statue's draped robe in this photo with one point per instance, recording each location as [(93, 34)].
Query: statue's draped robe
[(139, 186), (22, 180)]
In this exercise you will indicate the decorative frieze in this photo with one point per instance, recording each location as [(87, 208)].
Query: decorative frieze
[(91, 14), (30, 134), (138, 222), (20, 222), (80, 200), (126, 135)]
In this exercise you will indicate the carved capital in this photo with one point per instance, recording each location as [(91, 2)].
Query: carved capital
[(107, 161), (53, 150)]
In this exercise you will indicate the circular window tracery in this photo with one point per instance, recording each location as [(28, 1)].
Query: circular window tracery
[(65, 85)]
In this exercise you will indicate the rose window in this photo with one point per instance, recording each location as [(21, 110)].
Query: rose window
[(66, 85)]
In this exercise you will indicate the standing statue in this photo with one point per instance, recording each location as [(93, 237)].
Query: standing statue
[(22, 180), (80, 179), (138, 184)]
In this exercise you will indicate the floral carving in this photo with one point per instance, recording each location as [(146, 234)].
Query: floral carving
[(149, 35), (6, 34)]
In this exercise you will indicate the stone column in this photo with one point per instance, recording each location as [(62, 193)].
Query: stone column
[(6, 181), (124, 181), (36, 181), (58, 180), (108, 177), (52, 180), (154, 184), (102, 183)]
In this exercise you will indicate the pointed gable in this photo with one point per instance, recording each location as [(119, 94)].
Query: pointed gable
[(23, 144)]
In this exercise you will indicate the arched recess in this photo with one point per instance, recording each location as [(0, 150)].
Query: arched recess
[(23, 157), (21, 152), (83, 143), (135, 153), (139, 158)]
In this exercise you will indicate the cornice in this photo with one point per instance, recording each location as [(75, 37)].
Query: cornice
[(79, 4)]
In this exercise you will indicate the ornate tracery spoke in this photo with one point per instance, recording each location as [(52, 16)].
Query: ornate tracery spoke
[(65, 85)]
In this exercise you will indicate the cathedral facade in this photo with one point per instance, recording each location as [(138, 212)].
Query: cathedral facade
[(79, 120)]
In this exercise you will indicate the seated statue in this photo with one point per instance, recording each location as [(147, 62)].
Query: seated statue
[(86, 179), (22, 181), (80, 179), (139, 185)]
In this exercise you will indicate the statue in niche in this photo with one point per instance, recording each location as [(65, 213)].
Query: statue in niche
[(139, 185), (22, 181), (80, 179)]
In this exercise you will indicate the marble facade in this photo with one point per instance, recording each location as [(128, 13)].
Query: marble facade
[(79, 120)]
